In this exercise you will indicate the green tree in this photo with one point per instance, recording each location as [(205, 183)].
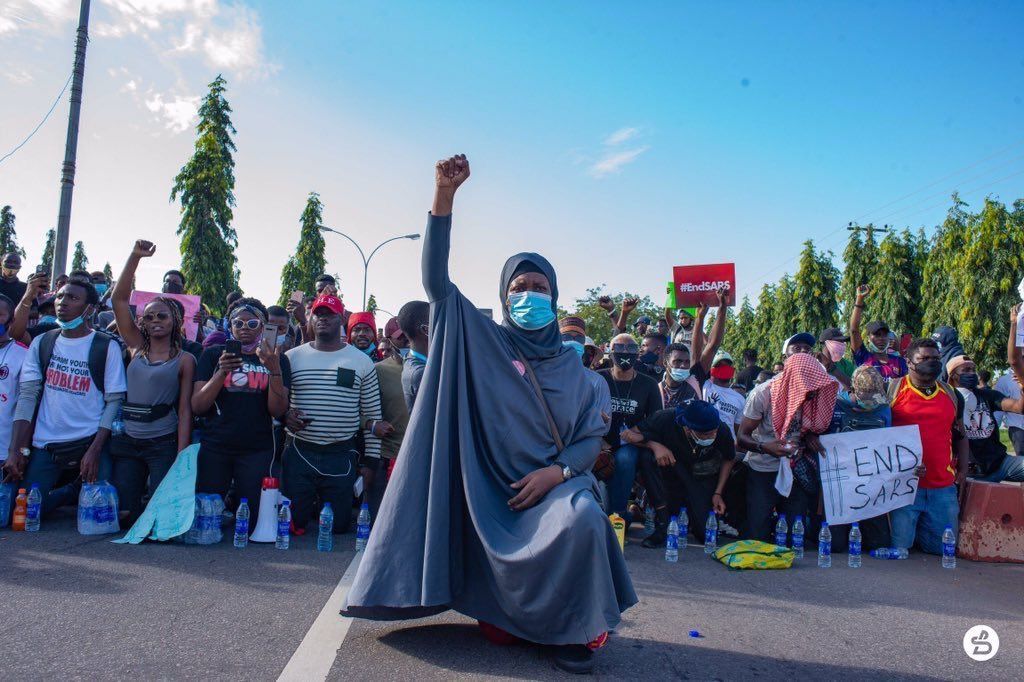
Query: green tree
[(8, 237), (785, 316), (79, 261), (817, 284), (108, 272), (371, 304), (599, 325), (51, 239), (859, 258), (742, 337), (205, 186), (893, 289), (308, 263), (764, 316), (941, 300)]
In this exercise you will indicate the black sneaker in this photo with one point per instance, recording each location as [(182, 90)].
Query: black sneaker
[(655, 540), (573, 658)]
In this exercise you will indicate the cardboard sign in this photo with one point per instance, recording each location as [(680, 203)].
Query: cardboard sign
[(697, 283), (868, 473), (140, 299)]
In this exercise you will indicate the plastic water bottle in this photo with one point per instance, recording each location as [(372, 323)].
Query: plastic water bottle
[(781, 531), (672, 543), (825, 546), (948, 547), (798, 537), (854, 558), (284, 522), (216, 519), (890, 553), (242, 524), (34, 510), (684, 527), (711, 533), (325, 538), (363, 527), (117, 426), (649, 519)]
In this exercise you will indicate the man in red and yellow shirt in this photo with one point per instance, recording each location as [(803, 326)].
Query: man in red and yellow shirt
[(937, 410)]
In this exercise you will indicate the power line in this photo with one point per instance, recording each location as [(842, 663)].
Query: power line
[(36, 129)]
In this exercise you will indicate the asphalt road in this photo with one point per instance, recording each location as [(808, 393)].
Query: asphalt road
[(81, 607)]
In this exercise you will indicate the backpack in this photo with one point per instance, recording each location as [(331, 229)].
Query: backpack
[(755, 554), (97, 356)]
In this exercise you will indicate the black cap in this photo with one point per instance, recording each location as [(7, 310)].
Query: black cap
[(833, 334), (877, 326)]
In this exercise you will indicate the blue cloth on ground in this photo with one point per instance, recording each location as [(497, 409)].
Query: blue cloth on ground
[(171, 509)]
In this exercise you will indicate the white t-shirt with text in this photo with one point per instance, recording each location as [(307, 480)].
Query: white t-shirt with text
[(12, 357)]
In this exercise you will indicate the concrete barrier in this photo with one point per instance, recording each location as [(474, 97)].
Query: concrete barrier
[(992, 522)]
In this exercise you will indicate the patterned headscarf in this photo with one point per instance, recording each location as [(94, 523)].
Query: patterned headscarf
[(805, 387)]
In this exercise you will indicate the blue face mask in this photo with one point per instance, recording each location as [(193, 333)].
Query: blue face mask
[(48, 319), (3, 330), (575, 345), (404, 352), (71, 324), (679, 374), (530, 310), (369, 350), (419, 356), (101, 288)]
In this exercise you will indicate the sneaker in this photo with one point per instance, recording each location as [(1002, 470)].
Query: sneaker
[(573, 658), (655, 540), (725, 529)]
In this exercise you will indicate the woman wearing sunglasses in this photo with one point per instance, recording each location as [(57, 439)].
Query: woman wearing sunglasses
[(158, 410), (240, 394)]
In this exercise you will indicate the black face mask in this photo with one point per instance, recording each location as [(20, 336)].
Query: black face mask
[(624, 361), (649, 358), (969, 381), (173, 288), (929, 369)]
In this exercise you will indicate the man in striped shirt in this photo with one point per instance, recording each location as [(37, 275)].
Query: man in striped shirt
[(334, 395)]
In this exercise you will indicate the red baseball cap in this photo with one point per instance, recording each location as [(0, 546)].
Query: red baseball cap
[(391, 329), (332, 303)]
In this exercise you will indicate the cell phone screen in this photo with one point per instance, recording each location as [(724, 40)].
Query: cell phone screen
[(270, 334), (233, 346)]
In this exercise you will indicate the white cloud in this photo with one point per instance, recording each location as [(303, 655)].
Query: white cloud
[(17, 76), (614, 162), (621, 135), (42, 15), (177, 112)]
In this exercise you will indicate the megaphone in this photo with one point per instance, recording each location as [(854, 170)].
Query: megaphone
[(266, 524)]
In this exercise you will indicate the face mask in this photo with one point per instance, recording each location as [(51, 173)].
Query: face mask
[(210, 326), (403, 353), (3, 330), (101, 288), (702, 442), (649, 358), (723, 372), (530, 310), (836, 350), (679, 374), (282, 339), (875, 349), (624, 361), (969, 381), (575, 345), (48, 319), (173, 288), (71, 324), (419, 356), (929, 370), (369, 350)]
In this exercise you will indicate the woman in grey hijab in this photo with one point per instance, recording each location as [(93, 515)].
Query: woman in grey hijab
[(492, 510)]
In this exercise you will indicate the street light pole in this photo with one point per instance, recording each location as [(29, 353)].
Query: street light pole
[(362, 254)]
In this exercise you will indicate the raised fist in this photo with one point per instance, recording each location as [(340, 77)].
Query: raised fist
[(606, 303), (143, 249), (630, 304), (863, 290), (451, 173)]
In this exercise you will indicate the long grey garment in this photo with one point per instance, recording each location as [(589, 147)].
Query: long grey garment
[(445, 537)]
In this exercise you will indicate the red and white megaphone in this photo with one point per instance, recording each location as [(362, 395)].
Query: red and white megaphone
[(266, 524)]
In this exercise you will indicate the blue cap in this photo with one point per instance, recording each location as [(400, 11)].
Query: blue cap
[(699, 415)]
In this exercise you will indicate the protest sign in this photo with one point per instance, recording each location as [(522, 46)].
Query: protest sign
[(140, 299), (868, 473), (695, 284)]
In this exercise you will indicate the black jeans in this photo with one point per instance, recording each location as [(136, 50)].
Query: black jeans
[(137, 460), (762, 498), (220, 466), (375, 494), (673, 486), (1017, 440), (324, 472)]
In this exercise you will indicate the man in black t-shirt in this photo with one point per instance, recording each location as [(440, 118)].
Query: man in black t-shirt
[(652, 353), (987, 451), (690, 450), (634, 398), (10, 285), (748, 375)]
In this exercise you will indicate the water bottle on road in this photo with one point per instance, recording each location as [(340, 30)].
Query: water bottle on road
[(649, 520), (825, 546), (284, 522), (684, 527), (711, 533), (781, 530), (34, 510), (325, 537), (948, 548), (890, 553), (798, 537), (363, 527), (242, 524), (672, 543), (854, 558)]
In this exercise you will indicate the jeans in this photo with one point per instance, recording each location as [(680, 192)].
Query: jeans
[(324, 472), (933, 509), (669, 488), (1010, 469), (375, 494), (59, 488), (1017, 439), (762, 497), (621, 483), (136, 461), (219, 466)]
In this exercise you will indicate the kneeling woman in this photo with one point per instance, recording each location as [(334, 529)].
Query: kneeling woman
[(240, 390), (492, 509)]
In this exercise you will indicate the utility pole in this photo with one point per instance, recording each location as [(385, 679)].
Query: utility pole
[(67, 176)]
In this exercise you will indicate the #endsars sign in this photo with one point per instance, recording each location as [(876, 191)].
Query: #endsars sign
[(695, 284)]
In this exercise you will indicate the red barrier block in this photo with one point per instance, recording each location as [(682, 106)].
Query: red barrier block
[(992, 522)]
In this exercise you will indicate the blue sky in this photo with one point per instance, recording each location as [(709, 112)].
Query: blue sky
[(619, 140)]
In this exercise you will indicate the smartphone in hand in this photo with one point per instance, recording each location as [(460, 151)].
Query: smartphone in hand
[(270, 332), (233, 346)]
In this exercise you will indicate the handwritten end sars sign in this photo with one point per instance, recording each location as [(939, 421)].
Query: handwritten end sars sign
[(868, 473)]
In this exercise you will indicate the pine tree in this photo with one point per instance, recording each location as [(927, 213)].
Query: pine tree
[(108, 272), (859, 260), (308, 263), (51, 239), (80, 261), (817, 285), (893, 289), (764, 316), (785, 312), (205, 186), (371, 304), (941, 300), (743, 337), (8, 237)]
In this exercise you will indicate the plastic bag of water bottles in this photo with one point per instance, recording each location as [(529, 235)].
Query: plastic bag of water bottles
[(7, 494), (97, 509), (206, 524)]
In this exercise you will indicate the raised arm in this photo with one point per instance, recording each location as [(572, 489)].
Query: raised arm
[(37, 284), (699, 340), (707, 355), (126, 325), (1013, 358), (858, 310), (449, 174)]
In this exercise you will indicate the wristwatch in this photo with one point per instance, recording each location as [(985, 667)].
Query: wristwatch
[(25, 452), (566, 471)]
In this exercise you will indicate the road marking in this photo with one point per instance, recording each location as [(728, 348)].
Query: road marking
[(316, 653)]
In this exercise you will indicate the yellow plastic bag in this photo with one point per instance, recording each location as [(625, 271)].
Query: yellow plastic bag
[(745, 554)]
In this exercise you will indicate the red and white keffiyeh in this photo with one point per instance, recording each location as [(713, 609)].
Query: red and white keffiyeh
[(805, 387)]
